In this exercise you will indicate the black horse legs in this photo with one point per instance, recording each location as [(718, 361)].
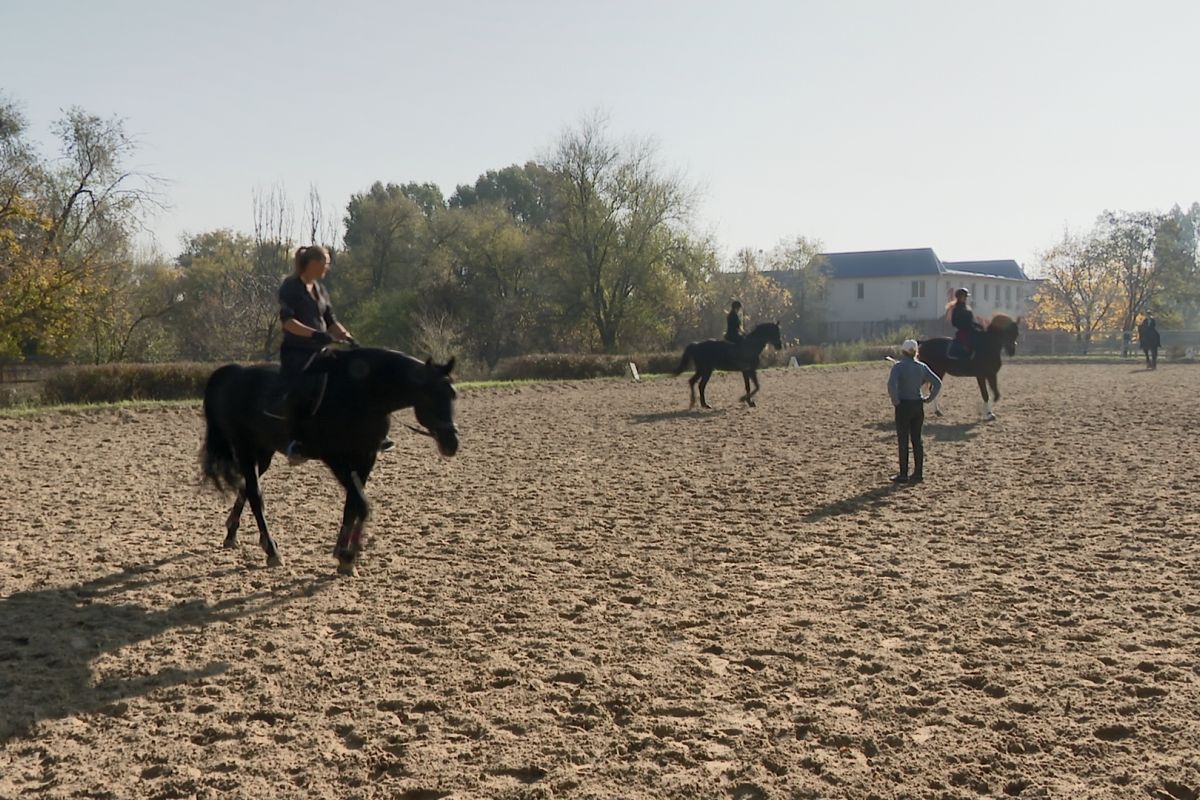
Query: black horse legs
[(254, 495), (354, 516), (234, 520), (749, 376), (702, 377)]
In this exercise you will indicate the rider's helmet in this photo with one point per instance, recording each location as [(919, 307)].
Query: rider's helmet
[(736, 305), (962, 292)]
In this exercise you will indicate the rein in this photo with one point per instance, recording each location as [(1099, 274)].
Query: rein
[(420, 431)]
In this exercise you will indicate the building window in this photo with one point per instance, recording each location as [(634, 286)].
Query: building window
[(973, 290), (861, 289), (918, 289), (986, 289), (1008, 297)]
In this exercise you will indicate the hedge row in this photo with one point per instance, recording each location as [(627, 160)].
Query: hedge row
[(180, 381), (110, 383)]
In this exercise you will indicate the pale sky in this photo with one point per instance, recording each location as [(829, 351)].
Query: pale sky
[(979, 128)]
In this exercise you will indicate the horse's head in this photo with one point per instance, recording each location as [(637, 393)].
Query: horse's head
[(1006, 330), (768, 333), (434, 404)]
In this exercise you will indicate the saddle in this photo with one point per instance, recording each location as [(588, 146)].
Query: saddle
[(298, 398), (964, 345)]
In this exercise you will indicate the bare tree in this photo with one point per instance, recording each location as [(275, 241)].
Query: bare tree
[(274, 225)]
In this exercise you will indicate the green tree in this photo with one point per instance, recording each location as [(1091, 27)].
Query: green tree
[(524, 192), (1126, 240), (387, 242), (221, 312), (494, 273), (617, 216), (1177, 261)]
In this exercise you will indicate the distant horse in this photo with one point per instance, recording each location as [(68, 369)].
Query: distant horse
[(714, 354), (984, 364), (355, 392)]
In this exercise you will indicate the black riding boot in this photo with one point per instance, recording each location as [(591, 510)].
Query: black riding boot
[(919, 459), (902, 476)]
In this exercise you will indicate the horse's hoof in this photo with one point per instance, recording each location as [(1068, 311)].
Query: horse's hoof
[(346, 568), (990, 417), (752, 404), (230, 542), (274, 561)]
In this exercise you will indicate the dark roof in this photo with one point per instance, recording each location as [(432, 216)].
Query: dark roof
[(917, 261), (882, 263), (1006, 268)]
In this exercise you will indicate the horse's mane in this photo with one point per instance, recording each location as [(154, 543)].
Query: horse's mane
[(764, 325), (1000, 322)]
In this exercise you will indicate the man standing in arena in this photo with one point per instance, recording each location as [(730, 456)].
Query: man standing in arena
[(905, 385)]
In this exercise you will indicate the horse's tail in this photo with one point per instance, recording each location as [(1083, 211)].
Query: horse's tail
[(687, 356), (217, 458)]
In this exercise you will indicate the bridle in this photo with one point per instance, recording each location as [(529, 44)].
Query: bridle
[(432, 434)]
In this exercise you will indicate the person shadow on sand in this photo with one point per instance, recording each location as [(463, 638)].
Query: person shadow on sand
[(50, 638)]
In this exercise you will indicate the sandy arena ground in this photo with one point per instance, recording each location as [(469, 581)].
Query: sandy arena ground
[(605, 596)]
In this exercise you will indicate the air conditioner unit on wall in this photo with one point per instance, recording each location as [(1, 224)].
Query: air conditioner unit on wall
[(914, 303)]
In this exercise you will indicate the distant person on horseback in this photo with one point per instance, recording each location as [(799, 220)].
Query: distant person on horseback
[(308, 327), (734, 331), (905, 384), (966, 327), (1149, 340)]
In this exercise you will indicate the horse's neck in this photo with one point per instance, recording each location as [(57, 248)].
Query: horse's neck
[(757, 340)]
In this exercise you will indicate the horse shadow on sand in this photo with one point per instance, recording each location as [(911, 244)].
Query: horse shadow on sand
[(50, 638), (682, 413), (937, 431)]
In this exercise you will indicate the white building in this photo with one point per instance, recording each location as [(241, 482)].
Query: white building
[(874, 293)]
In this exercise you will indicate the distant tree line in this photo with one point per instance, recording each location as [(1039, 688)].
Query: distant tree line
[(594, 248), (1128, 265)]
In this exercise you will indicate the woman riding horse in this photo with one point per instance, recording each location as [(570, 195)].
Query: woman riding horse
[(307, 316), (965, 325)]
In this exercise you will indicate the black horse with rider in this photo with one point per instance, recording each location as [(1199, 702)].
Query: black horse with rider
[(332, 406), (358, 391), (729, 355)]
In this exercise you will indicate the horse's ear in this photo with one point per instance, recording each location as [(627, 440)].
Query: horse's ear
[(449, 365)]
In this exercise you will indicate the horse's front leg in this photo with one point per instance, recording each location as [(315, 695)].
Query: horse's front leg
[(987, 403), (234, 520), (253, 493), (354, 517), (995, 396)]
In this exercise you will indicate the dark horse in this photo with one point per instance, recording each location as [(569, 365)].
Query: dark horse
[(714, 354), (354, 391), (983, 366)]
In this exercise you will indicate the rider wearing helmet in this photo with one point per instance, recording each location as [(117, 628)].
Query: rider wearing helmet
[(965, 326), (733, 324)]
